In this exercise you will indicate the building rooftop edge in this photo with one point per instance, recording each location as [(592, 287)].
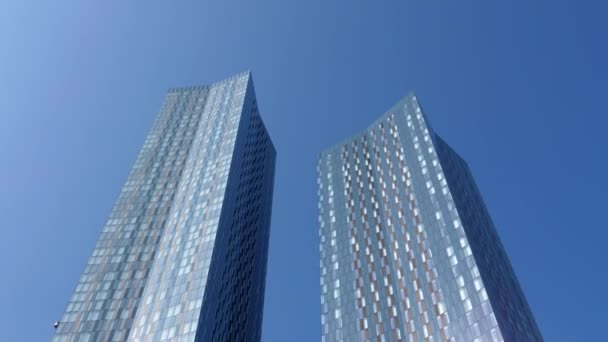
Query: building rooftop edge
[(247, 73), (410, 95)]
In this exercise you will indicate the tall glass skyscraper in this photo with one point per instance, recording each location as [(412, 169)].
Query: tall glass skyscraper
[(408, 249), (183, 254)]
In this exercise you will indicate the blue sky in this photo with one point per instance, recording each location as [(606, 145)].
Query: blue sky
[(516, 87)]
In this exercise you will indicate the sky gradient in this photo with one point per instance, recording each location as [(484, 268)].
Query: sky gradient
[(515, 87)]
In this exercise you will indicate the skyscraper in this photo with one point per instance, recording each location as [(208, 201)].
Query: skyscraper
[(183, 254), (408, 249)]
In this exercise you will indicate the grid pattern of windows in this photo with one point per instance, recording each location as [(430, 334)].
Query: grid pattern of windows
[(396, 263), (510, 306), (233, 304), (146, 278)]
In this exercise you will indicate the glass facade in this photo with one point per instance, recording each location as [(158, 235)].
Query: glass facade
[(408, 250), (185, 246)]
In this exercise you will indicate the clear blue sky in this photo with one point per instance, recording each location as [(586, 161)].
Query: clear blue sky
[(518, 88)]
